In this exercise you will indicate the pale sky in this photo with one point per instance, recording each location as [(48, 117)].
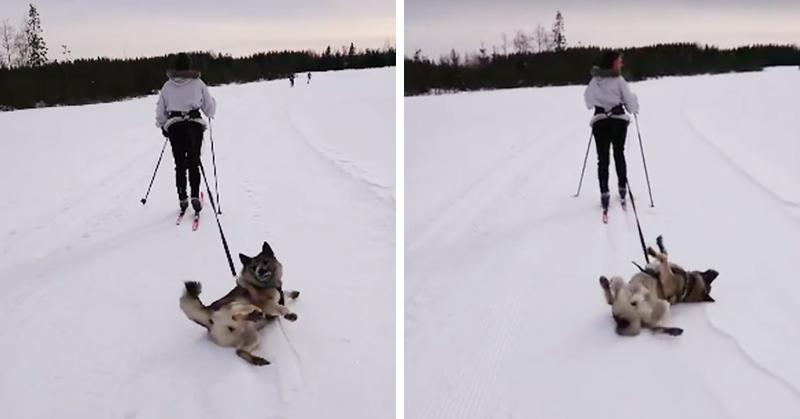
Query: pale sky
[(436, 26), (131, 28)]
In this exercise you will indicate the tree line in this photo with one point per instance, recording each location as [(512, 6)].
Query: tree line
[(543, 58), (571, 66), (104, 79), (29, 79)]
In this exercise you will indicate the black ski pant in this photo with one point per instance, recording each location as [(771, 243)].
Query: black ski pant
[(608, 133), (186, 139)]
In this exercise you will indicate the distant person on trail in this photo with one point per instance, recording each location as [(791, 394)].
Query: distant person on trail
[(291, 79), (178, 115), (309, 78), (607, 93)]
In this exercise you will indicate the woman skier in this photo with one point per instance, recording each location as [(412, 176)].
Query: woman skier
[(607, 93), (178, 115)]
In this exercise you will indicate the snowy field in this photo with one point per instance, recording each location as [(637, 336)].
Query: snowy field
[(91, 279), (504, 314)]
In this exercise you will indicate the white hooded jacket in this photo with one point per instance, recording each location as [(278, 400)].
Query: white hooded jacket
[(183, 92), (608, 89)]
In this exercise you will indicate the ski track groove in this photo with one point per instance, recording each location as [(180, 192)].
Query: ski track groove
[(382, 193), (750, 359), (470, 400), (79, 204), (783, 203), (493, 184), (522, 147)]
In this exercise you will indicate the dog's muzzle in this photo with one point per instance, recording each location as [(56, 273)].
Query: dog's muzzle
[(622, 323), (263, 273)]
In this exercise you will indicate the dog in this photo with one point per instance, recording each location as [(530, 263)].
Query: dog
[(235, 319), (645, 300)]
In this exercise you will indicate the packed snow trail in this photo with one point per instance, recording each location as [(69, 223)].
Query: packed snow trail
[(91, 278), (504, 314)]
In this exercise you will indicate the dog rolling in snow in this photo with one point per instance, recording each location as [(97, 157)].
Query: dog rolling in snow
[(644, 301), (235, 319)]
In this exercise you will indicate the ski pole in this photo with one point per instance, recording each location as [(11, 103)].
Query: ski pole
[(144, 200), (580, 182), (641, 147), (214, 163)]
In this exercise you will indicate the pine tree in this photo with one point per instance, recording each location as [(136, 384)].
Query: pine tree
[(483, 56), (33, 34), (352, 51), (65, 53), (559, 37)]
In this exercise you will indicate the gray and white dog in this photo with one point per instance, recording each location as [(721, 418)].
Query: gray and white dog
[(235, 319), (644, 301)]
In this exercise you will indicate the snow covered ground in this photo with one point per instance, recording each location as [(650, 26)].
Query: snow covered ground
[(504, 314), (91, 279)]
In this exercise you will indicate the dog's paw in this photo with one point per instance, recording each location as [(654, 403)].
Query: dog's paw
[(604, 283), (674, 331), (193, 288), (290, 316), (258, 361)]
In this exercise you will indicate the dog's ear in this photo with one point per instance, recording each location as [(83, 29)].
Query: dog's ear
[(708, 299), (244, 259), (266, 250), (709, 276)]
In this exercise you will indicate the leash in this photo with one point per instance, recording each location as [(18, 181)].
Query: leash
[(216, 216), (294, 351), (638, 224)]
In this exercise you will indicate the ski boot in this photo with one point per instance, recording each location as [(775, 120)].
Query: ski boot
[(183, 200), (197, 205), (605, 198), (184, 204)]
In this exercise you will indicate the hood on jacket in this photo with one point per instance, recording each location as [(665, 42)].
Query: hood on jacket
[(603, 72), (181, 77)]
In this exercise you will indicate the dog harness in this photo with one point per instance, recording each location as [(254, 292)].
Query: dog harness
[(616, 110), (192, 114), (688, 285)]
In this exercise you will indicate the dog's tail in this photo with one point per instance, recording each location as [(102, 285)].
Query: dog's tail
[(192, 307)]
